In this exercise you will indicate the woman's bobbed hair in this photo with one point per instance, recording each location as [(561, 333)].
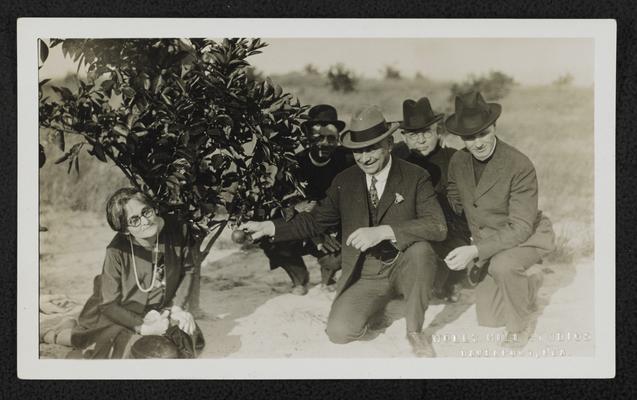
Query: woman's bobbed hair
[(116, 207)]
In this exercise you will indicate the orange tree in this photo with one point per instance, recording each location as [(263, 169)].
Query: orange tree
[(184, 119)]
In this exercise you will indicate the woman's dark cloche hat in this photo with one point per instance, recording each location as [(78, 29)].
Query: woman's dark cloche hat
[(418, 115), (473, 115), (368, 127), (322, 114)]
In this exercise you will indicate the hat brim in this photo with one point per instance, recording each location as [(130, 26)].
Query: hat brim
[(451, 124), (340, 125), (436, 118), (347, 142)]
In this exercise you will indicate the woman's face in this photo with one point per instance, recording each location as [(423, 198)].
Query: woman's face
[(142, 220)]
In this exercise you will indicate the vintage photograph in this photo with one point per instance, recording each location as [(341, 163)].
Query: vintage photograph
[(317, 198)]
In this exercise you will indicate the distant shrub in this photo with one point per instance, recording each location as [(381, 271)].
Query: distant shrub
[(419, 76), (341, 79), (392, 73), (564, 80), (493, 86), (310, 69)]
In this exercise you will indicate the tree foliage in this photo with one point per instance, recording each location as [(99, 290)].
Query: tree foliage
[(392, 73), (187, 121), (310, 69), (341, 79), (566, 79), (493, 86)]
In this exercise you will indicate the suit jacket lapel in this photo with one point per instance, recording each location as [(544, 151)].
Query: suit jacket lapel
[(389, 194), (359, 203), (471, 177), (491, 173)]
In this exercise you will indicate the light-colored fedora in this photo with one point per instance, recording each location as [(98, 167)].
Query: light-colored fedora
[(368, 127)]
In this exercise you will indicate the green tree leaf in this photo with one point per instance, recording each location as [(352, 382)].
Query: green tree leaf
[(44, 51)]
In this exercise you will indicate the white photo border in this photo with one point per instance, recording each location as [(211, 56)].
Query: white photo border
[(30, 366)]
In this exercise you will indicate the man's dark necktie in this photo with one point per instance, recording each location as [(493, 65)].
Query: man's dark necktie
[(373, 194)]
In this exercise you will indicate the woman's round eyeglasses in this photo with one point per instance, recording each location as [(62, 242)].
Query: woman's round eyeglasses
[(136, 220)]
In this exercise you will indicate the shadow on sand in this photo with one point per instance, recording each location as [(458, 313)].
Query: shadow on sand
[(235, 286), (556, 276)]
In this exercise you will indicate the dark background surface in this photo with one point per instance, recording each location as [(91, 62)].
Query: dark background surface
[(626, 158)]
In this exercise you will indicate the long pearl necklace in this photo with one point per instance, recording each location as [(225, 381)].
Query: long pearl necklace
[(155, 260)]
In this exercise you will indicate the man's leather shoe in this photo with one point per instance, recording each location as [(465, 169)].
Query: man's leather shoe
[(299, 290), (518, 340), (420, 345), (328, 288)]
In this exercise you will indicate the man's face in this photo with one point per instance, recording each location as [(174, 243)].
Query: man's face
[(324, 140), (481, 144), (423, 141), (374, 158)]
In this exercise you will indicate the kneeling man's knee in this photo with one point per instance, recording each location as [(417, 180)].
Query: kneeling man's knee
[(420, 249), (340, 332), (503, 266)]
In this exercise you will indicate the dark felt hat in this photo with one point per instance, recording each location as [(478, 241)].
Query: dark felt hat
[(473, 115), (322, 114), (418, 115)]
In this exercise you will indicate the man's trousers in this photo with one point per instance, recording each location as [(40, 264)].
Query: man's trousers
[(411, 275), (504, 296)]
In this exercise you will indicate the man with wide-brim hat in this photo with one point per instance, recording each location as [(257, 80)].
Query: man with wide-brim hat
[(496, 188), (420, 129), (319, 163), (388, 213)]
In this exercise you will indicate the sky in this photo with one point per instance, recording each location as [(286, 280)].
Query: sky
[(530, 61)]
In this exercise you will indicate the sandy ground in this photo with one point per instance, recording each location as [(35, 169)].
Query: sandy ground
[(249, 312)]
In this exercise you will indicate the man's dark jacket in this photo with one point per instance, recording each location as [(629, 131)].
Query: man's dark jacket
[(408, 204)]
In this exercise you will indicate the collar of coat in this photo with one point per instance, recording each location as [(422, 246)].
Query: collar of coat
[(392, 187), (492, 172)]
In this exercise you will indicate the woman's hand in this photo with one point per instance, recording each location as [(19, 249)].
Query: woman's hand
[(155, 323), (184, 319)]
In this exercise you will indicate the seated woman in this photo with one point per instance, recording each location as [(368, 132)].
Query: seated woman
[(144, 284)]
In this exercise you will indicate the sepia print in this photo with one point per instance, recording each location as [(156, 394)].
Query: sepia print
[(318, 198)]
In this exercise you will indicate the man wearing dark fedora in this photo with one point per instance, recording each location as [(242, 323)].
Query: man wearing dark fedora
[(495, 185), (318, 165), (388, 213), (420, 131)]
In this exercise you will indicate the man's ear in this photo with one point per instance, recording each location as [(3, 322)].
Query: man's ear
[(390, 141)]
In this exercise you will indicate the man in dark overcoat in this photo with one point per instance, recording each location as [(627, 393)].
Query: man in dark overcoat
[(422, 146)]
